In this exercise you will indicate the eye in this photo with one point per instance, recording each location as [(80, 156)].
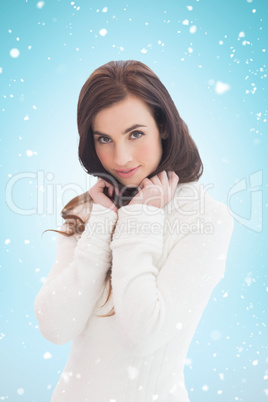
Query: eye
[(137, 134), (103, 140)]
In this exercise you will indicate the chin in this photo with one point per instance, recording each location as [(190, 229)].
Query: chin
[(130, 185)]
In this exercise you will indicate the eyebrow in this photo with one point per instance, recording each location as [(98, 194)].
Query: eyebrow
[(125, 132)]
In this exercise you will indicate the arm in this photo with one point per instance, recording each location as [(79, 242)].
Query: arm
[(66, 300), (153, 305)]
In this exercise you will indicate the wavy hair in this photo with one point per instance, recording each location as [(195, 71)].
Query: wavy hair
[(107, 85)]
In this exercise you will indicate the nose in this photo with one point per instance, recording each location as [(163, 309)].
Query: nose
[(122, 155)]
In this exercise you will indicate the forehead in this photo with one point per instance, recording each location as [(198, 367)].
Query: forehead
[(131, 110)]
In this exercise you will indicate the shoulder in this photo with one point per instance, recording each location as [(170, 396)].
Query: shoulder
[(192, 202), (199, 223)]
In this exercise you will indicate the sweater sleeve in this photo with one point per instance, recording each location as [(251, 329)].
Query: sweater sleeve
[(76, 280), (154, 304)]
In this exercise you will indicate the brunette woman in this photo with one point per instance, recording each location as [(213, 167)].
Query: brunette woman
[(139, 253)]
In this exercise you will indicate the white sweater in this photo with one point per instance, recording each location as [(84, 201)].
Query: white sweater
[(165, 265)]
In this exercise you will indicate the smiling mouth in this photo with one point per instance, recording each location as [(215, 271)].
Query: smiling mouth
[(127, 173)]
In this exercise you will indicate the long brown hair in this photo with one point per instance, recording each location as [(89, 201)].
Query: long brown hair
[(112, 83)]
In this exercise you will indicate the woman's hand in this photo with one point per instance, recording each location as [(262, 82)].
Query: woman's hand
[(157, 191), (98, 196)]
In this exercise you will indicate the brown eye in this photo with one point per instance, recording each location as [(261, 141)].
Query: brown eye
[(137, 134), (103, 140)]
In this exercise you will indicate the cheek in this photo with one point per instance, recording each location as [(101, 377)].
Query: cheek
[(103, 157), (145, 152), (151, 152)]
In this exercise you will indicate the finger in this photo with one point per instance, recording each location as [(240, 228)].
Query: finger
[(117, 191), (110, 191), (100, 183), (145, 182), (174, 179), (110, 187), (163, 177), (155, 180), (169, 174)]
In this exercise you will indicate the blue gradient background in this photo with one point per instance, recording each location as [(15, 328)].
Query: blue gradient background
[(60, 45)]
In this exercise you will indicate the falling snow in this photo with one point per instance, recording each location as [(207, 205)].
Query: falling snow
[(14, 53), (193, 29), (179, 325), (221, 87), (132, 372), (40, 4), (103, 32)]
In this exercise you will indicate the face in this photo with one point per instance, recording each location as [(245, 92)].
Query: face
[(127, 141)]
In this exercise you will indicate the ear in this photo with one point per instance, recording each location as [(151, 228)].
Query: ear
[(164, 135), (163, 131)]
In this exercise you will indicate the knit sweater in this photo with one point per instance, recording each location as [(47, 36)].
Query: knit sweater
[(165, 264)]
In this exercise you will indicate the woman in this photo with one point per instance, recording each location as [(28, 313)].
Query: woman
[(145, 246)]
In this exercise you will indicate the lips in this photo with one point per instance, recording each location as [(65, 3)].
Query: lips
[(127, 172)]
